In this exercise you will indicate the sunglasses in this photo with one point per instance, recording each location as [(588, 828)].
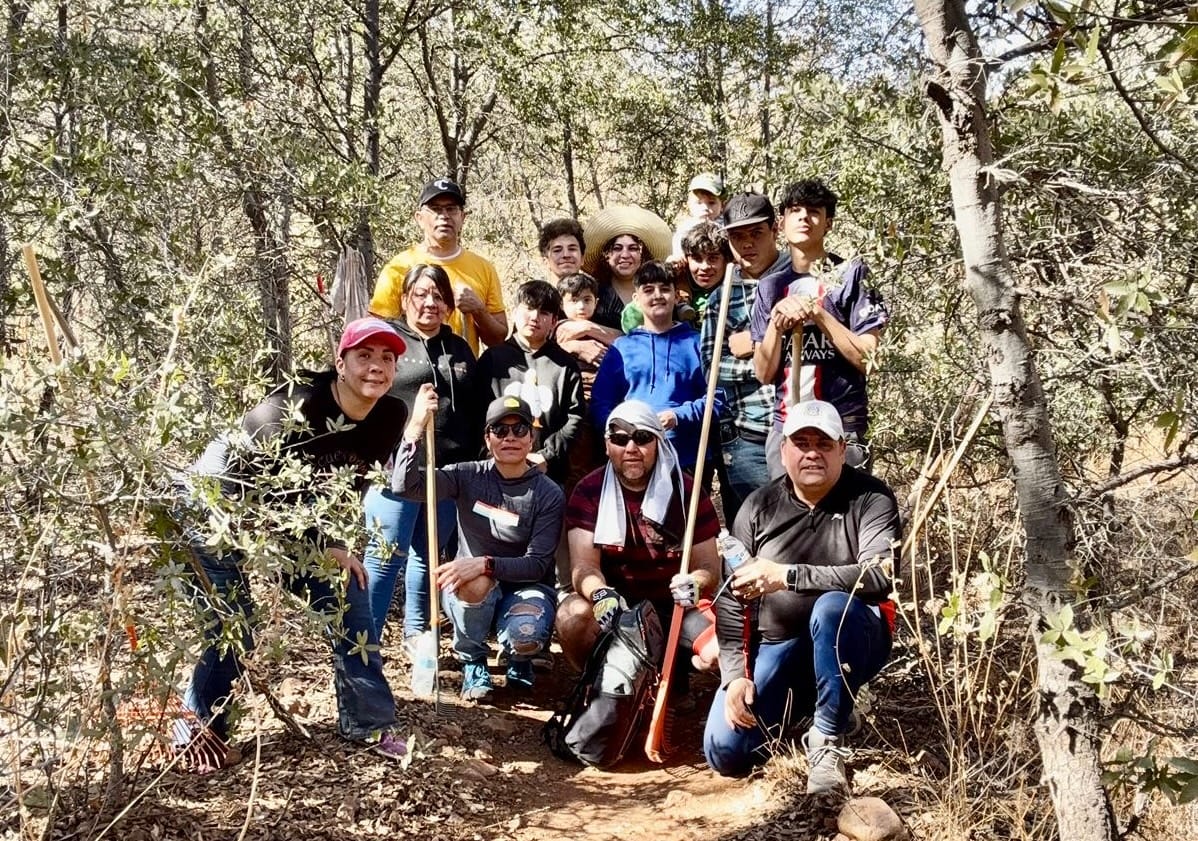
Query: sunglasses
[(502, 430), (641, 438)]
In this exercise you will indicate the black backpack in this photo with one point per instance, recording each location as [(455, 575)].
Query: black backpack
[(600, 719)]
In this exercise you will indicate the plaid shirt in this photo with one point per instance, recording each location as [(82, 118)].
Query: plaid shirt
[(748, 404)]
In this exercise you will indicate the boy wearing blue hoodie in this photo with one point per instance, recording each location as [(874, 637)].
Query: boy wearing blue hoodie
[(658, 363)]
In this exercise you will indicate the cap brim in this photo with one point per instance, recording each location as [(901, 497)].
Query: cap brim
[(622, 220), (388, 338), (438, 195), (740, 223)]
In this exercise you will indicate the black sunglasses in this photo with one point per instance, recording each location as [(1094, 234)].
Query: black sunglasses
[(641, 438), (502, 430)]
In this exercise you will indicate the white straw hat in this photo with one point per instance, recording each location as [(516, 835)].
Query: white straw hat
[(621, 220)]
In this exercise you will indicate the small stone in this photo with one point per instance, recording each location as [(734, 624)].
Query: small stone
[(513, 824), (451, 730), (482, 767), (498, 724), (870, 819)]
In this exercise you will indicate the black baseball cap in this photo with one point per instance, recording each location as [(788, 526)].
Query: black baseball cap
[(441, 187), (501, 407), (747, 209)]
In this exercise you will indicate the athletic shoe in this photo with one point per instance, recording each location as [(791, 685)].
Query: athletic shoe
[(519, 674), (386, 744), (825, 763), (476, 681)]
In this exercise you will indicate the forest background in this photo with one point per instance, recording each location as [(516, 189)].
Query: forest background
[(190, 173)]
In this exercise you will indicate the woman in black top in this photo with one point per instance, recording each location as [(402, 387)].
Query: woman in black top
[(285, 459), (396, 528)]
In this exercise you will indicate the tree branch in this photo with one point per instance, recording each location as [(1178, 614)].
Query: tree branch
[(1140, 118), (1142, 591), (1130, 476)]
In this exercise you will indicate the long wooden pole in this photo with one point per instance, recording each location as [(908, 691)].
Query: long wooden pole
[(434, 549), (655, 740)]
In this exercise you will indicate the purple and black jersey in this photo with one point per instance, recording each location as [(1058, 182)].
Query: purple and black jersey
[(823, 373)]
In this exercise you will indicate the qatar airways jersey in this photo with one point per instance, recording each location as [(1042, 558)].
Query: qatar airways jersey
[(821, 372)]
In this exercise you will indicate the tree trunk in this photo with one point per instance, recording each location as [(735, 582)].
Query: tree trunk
[(272, 269), (568, 164), (1065, 722)]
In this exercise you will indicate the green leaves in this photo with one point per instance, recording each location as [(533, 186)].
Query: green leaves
[(1175, 777), (1087, 649)]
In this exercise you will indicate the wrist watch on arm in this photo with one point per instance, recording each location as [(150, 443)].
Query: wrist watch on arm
[(792, 578)]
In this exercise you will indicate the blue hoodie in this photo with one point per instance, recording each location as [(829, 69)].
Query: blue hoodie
[(665, 371)]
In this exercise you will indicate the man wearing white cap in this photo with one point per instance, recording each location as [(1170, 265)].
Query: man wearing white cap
[(479, 313), (823, 540), (704, 202), (624, 525)]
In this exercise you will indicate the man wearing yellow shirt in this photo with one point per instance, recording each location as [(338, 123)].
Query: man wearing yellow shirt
[(478, 314)]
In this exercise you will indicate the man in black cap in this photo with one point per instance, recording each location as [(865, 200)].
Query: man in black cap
[(479, 312), (509, 522), (749, 225)]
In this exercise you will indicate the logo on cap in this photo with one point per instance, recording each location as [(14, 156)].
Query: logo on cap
[(512, 403), (444, 184)]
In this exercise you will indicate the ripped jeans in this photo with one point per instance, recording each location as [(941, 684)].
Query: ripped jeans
[(521, 614)]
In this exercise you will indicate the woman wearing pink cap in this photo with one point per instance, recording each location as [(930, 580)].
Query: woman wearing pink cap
[(283, 461)]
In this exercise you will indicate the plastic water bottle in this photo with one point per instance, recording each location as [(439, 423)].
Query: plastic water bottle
[(424, 665), (731, 550), (735, 554)]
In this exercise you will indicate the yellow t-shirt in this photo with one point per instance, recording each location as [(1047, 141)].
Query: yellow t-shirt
[(466, 268)]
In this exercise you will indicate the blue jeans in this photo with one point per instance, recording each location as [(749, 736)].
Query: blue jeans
[(742, 469), (401, 525), (365, 704), (522, 615), (791, 676)]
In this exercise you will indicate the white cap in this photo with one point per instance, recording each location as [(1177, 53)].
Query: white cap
[(814, 414)]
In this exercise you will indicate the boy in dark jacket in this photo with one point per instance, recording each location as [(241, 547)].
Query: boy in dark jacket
[(530, 365)]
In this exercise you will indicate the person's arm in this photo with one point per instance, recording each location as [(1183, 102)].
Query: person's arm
[(609, 389), (408, 476), (570, 330), (868, 577), (585, 571), (556, 444), (490, 326), (385, 302), (768, 354), (486, 373)]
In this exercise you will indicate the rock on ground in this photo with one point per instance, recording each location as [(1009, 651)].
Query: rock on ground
[(870, 819)]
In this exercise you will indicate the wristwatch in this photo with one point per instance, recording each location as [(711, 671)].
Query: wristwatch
[(792, 578), (488, 566)]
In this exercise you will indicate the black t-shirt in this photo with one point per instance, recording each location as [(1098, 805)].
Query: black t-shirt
[(300, 424), (836, 545)]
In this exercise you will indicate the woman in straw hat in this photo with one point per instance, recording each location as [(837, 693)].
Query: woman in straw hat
[(619, 240)]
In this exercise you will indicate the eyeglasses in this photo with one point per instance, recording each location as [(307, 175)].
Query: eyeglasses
[(503, 430), (422, 295), (442, 209), (631, 248), (642, 438)]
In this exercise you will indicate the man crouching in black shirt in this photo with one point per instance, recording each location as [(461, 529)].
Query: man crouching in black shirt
[(810, 617)]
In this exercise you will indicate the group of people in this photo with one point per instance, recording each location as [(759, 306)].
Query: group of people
[(565, 458)]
